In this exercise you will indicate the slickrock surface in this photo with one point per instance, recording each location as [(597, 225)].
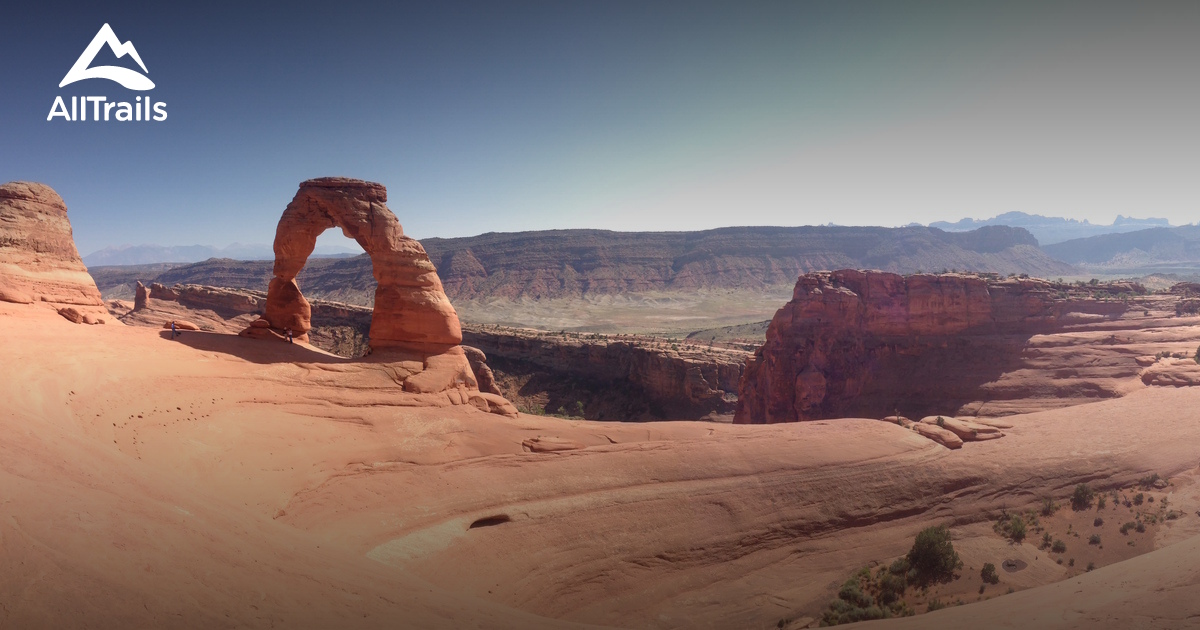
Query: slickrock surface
[(38, 260), (218, 481), (871, 344), (410, 308)]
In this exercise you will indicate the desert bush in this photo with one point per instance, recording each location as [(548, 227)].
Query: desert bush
[(900, 566), (1138, 498), (1094, 539), (1147, 482), (1098, 522), (932, 556), (1016, 528), (1071, 562), (1128, 526), (1046, 540), (1059, 547), (891, 588), (1091, 565), (852, 594), (934, 604), (1049, 507), (1081, 499), (1101, 501), (989, 574), (1141, 527)]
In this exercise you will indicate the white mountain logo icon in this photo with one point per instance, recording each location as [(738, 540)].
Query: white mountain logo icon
[(126, 77)]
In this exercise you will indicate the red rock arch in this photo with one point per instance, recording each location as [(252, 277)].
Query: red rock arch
[(411, 309)]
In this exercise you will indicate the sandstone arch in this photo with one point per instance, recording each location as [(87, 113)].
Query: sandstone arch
[(411, 309)]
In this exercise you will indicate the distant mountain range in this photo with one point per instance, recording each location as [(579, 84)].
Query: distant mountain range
[(581, 263), (1157, 250), (1050, 230), (151, 254)]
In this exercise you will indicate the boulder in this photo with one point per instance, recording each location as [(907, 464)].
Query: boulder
[(938, 434), (966, 430), (181, 324), (492, 403), (38, 259)]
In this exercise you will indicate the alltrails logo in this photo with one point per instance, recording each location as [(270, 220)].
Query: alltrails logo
[(102, 108)]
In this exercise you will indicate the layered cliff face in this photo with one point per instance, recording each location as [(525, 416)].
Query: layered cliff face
[(571, 264), (869, 343), (38, 260)]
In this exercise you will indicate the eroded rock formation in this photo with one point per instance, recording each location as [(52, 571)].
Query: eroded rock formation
[(411, 309), (869, 344), (39, 263)]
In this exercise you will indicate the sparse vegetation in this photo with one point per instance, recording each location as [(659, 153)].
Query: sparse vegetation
[(1016, 529), (1082, 498), (1098, 522), (1059, 546), (1101, 501), (1094, 539), (1138, 498), (989, 575), (1049, 507)]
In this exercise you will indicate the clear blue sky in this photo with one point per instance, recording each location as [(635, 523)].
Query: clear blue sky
[(504, 116)]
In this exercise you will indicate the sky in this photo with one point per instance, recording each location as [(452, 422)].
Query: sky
[(508, 116)]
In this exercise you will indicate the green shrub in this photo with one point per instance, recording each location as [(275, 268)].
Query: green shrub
[(932, 556), (989, 574), (934, 604), (1101, 501), (900, 566), (1049, 507), (1128, 526), (1046, 540), (1094, 539), (891, 588), (1082, 497), (1091, 565), (1016, 528), (1138, 498), (1098, 522), (852, 594), (1141, 527), (1071, 562), (1059, 547)]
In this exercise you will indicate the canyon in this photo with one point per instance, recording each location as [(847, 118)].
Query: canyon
[(217, 479)]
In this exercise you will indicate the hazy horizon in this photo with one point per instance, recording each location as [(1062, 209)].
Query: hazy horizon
[(621, 116)]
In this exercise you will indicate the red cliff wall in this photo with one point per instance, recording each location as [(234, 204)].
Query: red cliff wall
[(871, 343)]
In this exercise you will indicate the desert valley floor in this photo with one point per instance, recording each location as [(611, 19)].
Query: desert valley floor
[(218, 481)]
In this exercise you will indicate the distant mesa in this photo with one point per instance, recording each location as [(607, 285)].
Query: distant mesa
[(38, 260), (1050, 230)]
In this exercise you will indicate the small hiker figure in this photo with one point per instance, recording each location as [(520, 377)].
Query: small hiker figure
[(174, 333), (289, 333)]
